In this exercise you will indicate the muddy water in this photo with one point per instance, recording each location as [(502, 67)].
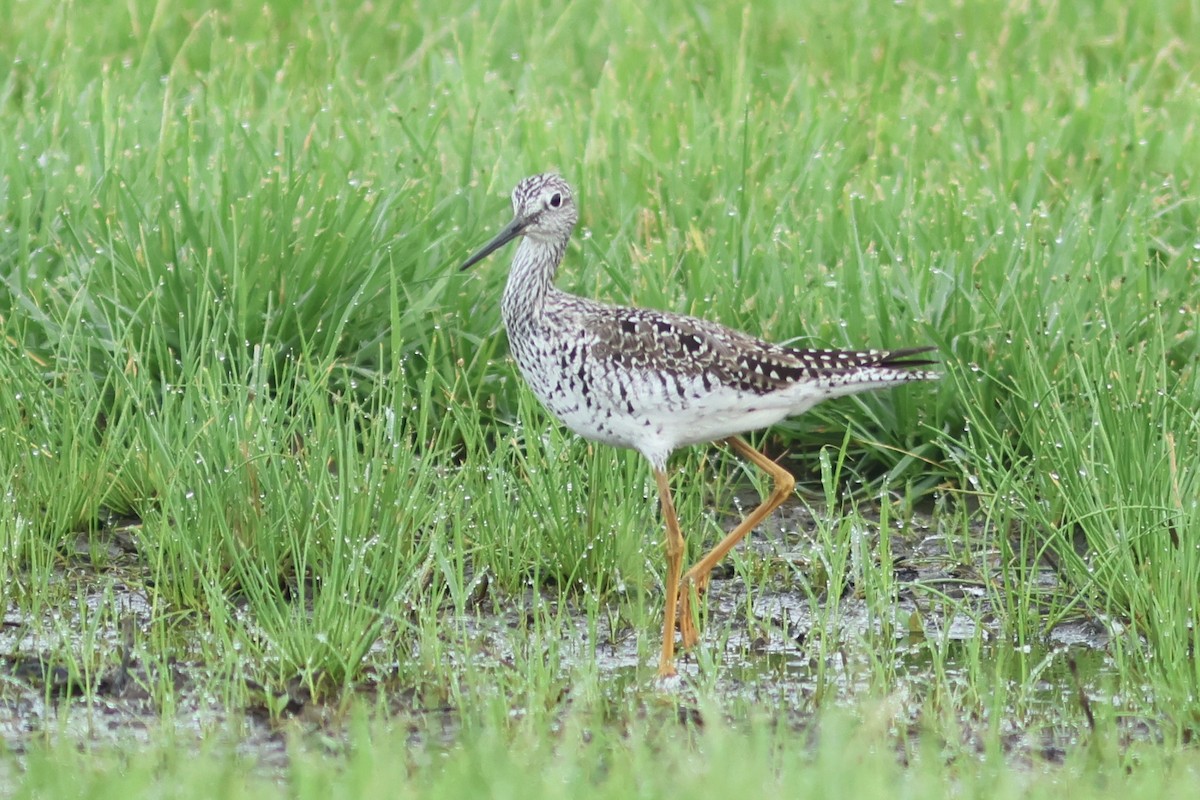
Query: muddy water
[(775, 643)]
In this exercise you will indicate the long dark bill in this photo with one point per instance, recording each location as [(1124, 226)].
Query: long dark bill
[(511, 231)]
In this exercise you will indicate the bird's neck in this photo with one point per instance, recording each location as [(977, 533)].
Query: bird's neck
[(530, 281)]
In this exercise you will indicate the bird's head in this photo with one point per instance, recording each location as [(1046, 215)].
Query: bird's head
[(543, 209)]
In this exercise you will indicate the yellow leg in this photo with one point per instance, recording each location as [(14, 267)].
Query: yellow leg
[(696, 579), (674, 549)]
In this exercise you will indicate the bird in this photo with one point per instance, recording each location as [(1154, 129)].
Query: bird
[(656, 381)]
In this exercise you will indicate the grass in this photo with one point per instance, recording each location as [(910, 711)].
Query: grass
[(253, 413), (853, 760)]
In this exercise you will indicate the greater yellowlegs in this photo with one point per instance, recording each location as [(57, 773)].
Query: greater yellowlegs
[(655, 381)]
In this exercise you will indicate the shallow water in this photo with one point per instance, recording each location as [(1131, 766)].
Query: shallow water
[(776, 644)]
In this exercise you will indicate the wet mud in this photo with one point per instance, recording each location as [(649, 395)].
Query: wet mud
[(770, 637)]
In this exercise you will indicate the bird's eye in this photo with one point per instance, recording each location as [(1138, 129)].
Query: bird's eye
[(555, 200)]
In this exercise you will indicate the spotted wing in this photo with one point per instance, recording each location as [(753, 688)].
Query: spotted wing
[(636, 339)]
